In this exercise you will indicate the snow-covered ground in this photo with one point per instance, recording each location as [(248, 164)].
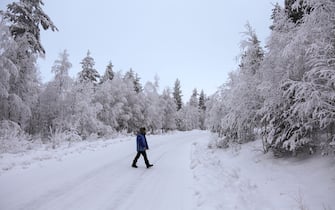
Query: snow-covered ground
[(243, 177), (186, 175)]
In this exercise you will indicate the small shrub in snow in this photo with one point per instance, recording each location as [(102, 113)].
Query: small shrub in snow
[(12, 137), (58, 136), (218, 142)]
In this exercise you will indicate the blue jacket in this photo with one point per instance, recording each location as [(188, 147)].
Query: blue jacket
[(142, 144)]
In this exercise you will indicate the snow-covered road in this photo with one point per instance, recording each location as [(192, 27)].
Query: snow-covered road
[(187, 175), (103, 179)]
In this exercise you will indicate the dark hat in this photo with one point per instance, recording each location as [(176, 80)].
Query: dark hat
[(142, 130)]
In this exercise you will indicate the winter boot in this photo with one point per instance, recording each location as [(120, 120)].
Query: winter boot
[(149, 165)]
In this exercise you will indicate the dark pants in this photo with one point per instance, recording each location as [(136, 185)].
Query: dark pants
[(144, 154)]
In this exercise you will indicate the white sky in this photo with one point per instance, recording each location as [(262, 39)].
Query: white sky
[(195, 41)]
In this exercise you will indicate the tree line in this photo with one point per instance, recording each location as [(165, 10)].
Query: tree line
[(71, 109)]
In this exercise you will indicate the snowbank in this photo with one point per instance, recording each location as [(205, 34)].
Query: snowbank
[(242, 177), (41, 152)]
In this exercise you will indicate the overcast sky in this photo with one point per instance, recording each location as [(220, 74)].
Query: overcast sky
[(196, 41)]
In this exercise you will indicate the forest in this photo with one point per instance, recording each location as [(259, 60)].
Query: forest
[(283, 94)]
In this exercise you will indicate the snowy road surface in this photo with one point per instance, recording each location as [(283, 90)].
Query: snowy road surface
[(187, 175), (103, 179)]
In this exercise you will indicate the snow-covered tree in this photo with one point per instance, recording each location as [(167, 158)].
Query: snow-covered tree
[(188, 118), (111, 96), (51, 110), (303, 110), (135, 79), (177, 94), (123, 107), (216, 110), (202, 100), (83, 109), (105, 95), (189, 115), (62, 84), (135, 106), (109, 73), (88, 72), (296, 9), (243, 97), (153, 110), (169, 110), (274, 70), (202, 110), (25, 19), (194, 101), (61, 69), (82, 103), (8, 69), (47, 110)]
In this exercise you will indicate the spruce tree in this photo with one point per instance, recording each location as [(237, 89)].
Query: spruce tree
[(177, 94), (109, 73), (88, 73), (137, 84), (202, 101)]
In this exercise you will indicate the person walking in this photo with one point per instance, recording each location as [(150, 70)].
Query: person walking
[(142, 146)]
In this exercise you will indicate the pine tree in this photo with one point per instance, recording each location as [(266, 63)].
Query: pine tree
[(109, 73), (202, 101), (177, 94), (275, 12), (137, 84), (88, 72)]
